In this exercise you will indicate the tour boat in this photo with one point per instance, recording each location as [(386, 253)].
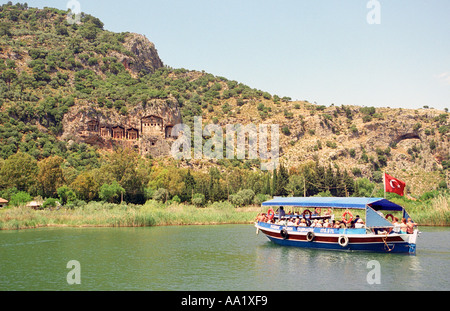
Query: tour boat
[(378, 234)]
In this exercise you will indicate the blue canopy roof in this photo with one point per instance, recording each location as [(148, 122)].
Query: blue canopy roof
[(334, 202)]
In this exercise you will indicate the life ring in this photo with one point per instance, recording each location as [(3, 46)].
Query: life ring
[(343, 240), (390, 215), (307, 211), (345, 219), (310, 236), (284, 234), (270, 213)]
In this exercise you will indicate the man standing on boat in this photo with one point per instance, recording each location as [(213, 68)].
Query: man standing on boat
[(281, 212)]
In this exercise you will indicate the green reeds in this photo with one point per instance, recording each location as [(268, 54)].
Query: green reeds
[(433, 212), (122, 215)]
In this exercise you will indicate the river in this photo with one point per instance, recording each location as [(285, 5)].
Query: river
[(204, 258)]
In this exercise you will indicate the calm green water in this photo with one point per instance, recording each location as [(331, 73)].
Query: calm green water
[(229, 257)]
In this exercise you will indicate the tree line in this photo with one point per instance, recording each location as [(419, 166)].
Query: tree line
[(124, 175)]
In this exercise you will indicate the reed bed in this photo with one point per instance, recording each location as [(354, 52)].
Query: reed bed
[(433, 212), (102, 214)]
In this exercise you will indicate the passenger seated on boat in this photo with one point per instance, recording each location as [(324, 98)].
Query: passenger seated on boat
[(261, 217), (319, 224), (326, 224), (396, 225), (410, 226), (297, 221), (290, 222), (403, 226), (281, 222), (302, 223), (353, 223), (359, 224)]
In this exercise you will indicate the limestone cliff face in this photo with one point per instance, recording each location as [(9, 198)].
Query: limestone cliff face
[(145, 128), (145, 57)]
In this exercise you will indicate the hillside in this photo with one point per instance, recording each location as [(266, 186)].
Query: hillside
[(80, 92)]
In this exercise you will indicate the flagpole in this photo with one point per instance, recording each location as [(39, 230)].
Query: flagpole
[(384, 184)]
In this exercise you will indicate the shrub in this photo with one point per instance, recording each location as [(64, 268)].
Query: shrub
[(50, 203), (161, 195), (260, 198), (110, 192), (286, 130), (20, 198), (198, 199), (176, 199), (66, 195), (242, 198)]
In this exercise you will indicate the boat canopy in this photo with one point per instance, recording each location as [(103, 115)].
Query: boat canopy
[(335, 202)]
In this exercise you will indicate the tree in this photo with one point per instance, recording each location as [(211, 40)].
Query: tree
[(330, 181), (188, 187), (123, 166), (20, 198), (274, 182), (111, 192), (267, 189), (65, 194), (282, 181), (9, 76), (296, 185), (161, 195), (19, 171), (50, 176), (198, 199), (85, 186)]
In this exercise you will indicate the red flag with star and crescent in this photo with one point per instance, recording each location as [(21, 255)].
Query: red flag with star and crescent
[(392, 184)]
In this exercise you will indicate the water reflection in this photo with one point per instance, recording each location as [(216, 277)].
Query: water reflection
[(207, 258), (309, 269)]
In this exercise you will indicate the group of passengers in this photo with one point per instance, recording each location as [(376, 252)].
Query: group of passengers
[(299, 221), (406, 226), (403, 227)]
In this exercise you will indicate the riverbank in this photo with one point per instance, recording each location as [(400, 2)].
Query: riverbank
[(434, 212), (152, 213)]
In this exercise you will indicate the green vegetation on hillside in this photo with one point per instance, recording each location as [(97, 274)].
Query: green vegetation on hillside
[(47, 66)]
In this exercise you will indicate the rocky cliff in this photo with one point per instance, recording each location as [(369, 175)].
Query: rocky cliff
[(145, 127), (144, 59)]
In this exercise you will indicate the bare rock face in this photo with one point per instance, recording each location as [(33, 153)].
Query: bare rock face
[(146, 128), (145, 56)]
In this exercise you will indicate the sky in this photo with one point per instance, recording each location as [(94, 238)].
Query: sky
[(382, 53)]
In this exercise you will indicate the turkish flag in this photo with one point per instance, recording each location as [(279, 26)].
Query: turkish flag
[(392, 184)]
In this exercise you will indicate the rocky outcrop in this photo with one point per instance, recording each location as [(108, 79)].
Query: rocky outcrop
[(145, 128), (145, 58)]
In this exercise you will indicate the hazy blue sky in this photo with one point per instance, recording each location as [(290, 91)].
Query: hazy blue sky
[(321, 51)]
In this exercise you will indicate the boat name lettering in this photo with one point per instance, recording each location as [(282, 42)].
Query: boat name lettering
[(274, 227), (327, 230), (304, 229)]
